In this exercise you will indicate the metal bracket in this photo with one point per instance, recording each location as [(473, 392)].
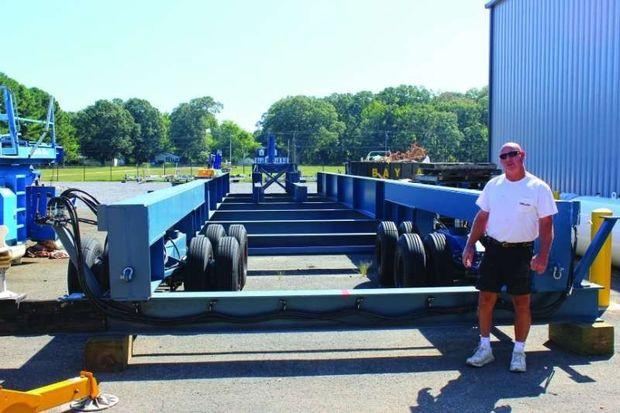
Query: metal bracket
[(429, 301)]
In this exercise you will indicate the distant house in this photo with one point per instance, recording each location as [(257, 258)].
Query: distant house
[(166, 157), (90, 161)]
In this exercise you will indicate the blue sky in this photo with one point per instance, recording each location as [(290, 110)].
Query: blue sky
[(244, 53)]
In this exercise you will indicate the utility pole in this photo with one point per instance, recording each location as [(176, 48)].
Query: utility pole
[(243, 159), (294, 147), (230, 150), (385, 142)]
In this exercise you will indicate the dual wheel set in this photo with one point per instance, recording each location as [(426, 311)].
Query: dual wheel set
[(216, 261), (404, 259)]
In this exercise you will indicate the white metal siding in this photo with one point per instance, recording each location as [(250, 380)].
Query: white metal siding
[(555, 86)]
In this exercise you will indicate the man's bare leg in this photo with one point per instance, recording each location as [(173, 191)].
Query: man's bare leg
[(523, 316), (484, 354), (523, 320), (486, 303)]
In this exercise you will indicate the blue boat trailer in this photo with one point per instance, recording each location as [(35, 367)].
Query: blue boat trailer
[(149, 236)]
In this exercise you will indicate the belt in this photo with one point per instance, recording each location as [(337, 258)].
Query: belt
[(496, 243)]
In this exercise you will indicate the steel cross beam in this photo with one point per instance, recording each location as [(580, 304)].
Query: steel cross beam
[(274, 179), (361, 307)]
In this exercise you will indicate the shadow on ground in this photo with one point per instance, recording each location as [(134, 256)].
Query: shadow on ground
[(61, 358)]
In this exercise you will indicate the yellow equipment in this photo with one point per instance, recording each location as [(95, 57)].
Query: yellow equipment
[(205, 173), (84, 389), (600, 271)]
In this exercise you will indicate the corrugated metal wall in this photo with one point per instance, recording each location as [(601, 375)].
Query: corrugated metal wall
[(555, 88)]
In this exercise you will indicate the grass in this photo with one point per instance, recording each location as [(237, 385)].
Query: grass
[(118, 173), (364, 268)]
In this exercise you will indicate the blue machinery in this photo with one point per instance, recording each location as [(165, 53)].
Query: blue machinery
[(275, 168), (20, 196), (148, 235)]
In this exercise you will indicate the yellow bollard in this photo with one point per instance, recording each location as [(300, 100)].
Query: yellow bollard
[(600, 271)]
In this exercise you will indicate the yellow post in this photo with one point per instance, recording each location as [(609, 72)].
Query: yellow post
[(600, 271)]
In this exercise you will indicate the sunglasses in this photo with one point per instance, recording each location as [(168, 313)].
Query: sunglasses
[(510, 154)]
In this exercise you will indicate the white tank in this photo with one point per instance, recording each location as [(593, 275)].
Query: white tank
[(588, 204)]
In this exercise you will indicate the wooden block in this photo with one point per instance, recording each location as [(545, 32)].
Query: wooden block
[(594, 339), (108, 353)]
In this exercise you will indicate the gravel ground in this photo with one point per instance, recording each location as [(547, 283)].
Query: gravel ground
[(339, 369)]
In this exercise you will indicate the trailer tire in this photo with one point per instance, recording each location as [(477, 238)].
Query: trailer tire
[(196, 274), (439, 266), (214, 232), (385, 246), (406, 227), (238, 232), (227, 269), (93, 253), (410, 262)]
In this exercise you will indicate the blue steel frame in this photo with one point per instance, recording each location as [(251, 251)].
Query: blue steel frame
[(400, 201), (17, 151), (274, 172), (274, 168), (137, 227), (137, 231)]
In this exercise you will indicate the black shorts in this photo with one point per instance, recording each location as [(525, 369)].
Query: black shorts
[(509, 266)]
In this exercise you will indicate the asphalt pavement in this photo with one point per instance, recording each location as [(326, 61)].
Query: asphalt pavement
[(316, 370)]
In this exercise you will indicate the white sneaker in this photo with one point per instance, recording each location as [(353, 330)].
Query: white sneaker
[(482, 356), (517, 364)]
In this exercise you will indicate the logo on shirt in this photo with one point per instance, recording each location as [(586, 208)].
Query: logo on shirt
[(524, 204)]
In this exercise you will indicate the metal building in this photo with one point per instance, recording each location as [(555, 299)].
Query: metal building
[(554, 86)]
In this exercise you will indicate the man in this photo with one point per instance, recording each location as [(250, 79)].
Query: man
[(515, 208)]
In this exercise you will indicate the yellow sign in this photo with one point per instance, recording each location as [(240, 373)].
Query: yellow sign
[(385, 174)]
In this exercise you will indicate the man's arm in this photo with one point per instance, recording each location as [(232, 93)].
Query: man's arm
[(477, 231), (545, 229)]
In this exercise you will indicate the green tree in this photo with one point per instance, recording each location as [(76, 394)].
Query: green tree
[(309, 124), (405, 95), (349, 108), (230, 135), (106, 130), (191, 125), (380, 126), (167, 145), (437, 132), (386, 121), (66, 135), (471, 111), (151, 139)]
